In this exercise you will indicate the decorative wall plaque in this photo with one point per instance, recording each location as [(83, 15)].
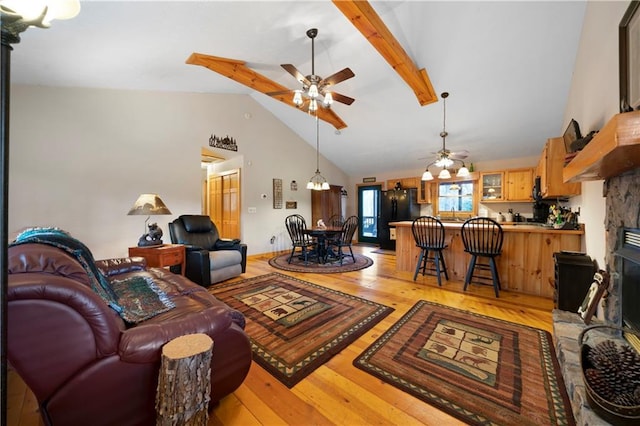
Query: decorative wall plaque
[(277, 193), (292, 204), (223, 143)]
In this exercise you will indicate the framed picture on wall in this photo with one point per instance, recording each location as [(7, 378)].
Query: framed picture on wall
[(629, 45)]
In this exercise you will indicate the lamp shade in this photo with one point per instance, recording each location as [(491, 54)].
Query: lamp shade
[(56, 9), (150, 205), (444, 174), (427, 175)]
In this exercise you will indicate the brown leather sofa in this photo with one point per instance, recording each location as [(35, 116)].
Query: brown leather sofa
[(85, 365)]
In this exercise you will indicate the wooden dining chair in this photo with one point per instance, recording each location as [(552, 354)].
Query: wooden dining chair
[(296, 226), (345, 238), (428, 233), (482, 238)]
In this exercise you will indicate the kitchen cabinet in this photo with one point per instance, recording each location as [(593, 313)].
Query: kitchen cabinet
[(519, 184), (550, 169), (492, 186), (425, 192), (325, 204), (406, 183)]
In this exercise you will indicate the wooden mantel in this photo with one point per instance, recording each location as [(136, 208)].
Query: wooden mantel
[(613, 150)]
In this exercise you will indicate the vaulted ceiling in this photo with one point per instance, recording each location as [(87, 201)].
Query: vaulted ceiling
[(506, 65)]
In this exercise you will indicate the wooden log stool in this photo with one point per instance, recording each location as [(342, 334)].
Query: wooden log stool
[(184, 382)]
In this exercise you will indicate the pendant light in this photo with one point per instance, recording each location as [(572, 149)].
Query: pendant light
[(317, 181), (445, 158)]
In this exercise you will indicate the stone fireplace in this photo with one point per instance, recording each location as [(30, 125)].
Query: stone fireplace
[(622, 212)]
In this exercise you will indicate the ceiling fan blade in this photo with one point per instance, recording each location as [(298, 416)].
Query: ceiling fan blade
[(342, 98), (459, 155), (297, 74), (280, 92), (338, 77)]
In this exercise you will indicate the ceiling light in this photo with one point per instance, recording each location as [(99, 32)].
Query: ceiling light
[(297, 98), (444, 174), (427, 175), (317, 181), (445, 158)]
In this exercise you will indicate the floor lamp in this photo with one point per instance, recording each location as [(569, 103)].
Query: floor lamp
[(15, 17)]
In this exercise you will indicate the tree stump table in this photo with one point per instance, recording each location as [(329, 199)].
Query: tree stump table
[(184, 382)]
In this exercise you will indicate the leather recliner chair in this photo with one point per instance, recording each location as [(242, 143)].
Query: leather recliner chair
[(209, 258), (85, 365)]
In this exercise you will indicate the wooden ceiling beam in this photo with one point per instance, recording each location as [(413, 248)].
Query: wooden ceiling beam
[(367, 21), (238, 71)]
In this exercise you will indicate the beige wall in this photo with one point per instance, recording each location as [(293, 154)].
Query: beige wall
[(79, 158), (593, 100)]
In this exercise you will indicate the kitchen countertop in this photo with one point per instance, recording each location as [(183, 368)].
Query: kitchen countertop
[(506, 227)]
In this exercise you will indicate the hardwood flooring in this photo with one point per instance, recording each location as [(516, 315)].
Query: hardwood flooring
[(337, 393)]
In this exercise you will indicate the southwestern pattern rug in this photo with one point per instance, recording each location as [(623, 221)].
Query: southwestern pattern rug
[(296, 326), (298, 265), (479, 369)]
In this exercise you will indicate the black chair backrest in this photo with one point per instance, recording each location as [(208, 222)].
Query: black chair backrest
[(428, 232), (348, 229), (296, 225), (194, 230), (482, 236), (335, 221)]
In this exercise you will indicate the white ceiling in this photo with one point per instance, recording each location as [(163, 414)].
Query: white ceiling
[(506, 65)]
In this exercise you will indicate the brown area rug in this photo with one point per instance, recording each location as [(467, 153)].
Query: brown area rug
[(296, 326), (481, 370), (298, 265)]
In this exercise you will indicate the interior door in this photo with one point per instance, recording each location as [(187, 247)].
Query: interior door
[(223, 202), (368, 212)]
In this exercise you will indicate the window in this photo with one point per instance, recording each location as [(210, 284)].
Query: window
[(454, 198)]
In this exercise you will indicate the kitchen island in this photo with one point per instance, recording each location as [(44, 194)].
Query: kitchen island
[(525, 266)]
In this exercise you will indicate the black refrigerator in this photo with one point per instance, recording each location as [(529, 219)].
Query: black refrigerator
[(396, 205)]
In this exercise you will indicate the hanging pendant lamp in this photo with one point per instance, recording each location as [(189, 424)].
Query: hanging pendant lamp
[(317, 181)]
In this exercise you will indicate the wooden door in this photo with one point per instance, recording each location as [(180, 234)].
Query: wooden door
[(325, 204), (224, 202)]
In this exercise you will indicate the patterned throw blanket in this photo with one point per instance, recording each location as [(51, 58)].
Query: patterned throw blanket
[(135, 298)]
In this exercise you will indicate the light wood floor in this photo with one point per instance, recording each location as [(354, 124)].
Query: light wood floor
[(337, 393)]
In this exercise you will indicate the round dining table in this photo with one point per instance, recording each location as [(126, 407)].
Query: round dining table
[(323, 236)]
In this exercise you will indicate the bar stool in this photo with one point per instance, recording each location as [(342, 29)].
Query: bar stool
[(428, 233), (482, 237)]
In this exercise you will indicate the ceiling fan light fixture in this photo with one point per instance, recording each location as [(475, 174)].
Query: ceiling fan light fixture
[(297, 98), (328, 99), (427, 175), (444, 174), (463, 171), (313, 105), (313, 91)]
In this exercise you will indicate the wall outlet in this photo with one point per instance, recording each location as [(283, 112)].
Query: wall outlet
[(251, 210)]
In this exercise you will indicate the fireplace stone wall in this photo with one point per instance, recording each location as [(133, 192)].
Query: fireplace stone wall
[(622, 210)]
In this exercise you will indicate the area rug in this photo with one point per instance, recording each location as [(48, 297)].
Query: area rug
[(481, 370), (296, 326), (298, 265)]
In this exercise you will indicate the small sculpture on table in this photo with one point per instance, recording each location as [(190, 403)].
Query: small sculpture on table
[(321, 224), (151, 238)]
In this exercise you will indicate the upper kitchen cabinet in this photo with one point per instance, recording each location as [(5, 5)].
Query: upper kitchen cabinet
[(492, 186), (519, 184), (425, 192), (405, 183), (550, 168)]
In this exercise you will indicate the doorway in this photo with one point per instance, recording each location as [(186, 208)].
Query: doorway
[(368, 208), (221, 193)]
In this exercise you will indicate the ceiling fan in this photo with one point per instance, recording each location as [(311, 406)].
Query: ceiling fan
[(445, 158), (316, 89)]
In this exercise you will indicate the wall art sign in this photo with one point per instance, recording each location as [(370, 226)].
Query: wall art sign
[(223, 143), (292, 204), (277, 193), (629, 53), (368, 180)]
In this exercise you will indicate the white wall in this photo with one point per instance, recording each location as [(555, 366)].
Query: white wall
[(593, 100), (79, 158)]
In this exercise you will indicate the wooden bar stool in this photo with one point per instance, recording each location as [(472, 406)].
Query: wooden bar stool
[(428, 233), (482, 237)]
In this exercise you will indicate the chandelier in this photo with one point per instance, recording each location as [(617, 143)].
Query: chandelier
[(317, 181), (445, 159)]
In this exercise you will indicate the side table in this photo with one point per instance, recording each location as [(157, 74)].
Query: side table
[(161, 256)]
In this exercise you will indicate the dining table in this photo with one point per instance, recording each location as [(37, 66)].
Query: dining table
[(323, 235)]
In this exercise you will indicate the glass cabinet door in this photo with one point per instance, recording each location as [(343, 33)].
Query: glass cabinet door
[(492, 186)]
